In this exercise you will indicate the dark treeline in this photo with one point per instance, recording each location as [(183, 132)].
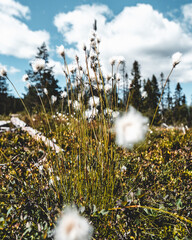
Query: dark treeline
[(8, 104), (143, 94)]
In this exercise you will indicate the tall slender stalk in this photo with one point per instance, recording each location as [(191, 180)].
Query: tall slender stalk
[(161, 96), (20, 99)]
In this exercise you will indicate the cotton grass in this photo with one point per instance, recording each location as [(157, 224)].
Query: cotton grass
[(72, 226), (130, 128)]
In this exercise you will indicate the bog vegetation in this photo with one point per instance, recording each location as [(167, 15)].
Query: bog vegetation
[(127, 175)]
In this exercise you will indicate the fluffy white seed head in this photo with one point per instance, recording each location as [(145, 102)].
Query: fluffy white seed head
[(61, 50), (25, 78), (108, 87), (45, 91), (91, 113), (64, 94), (72, 226), (38, 64), (53, 99), (121, 60), (112, 60), (130, 128), (76, 105), (3, 72), (93, 101), (176, 58)]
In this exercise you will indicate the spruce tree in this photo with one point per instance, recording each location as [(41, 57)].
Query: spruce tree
[(43, 79), (3, 96), (178, 97), (135, 93), (155, 91)]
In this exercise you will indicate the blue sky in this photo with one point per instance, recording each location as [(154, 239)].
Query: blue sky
[(147, 31)]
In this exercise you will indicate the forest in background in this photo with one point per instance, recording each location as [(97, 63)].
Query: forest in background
[(122, 88)]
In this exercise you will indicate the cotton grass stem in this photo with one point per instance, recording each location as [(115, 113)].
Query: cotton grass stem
[(21, 100), (161, 96)]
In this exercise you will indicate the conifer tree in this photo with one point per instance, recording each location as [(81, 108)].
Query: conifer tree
[(178, 97), (135, 93), (3, 96), (169, 98), (43, 79), (155, 92)]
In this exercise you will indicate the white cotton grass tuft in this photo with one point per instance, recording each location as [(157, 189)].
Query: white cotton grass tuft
[(38, 64), (130, 128), (121, 60), (53, 99), (3, 72), (61, 50), (94, 101), (72, 226), (25, 78), (76, 105), (63, 94), (45, 91), (176, 58), (112, 60)]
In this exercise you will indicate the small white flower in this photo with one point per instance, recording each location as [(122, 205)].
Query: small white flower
[(93, 101), (41, 169), (121, 60), (144, 94), (72, 226), (108, 87), (3, 72), (38, 64), (76, 105), (91, 113), (130, 128), (176, 58), (108, 111), (84, 47), (50, 170), (112, 60), (72, 68), (123, 168), (64, 94), (115, 114), (61, 50), (53, 99), (25, 78), (51, 182), (45, 91)]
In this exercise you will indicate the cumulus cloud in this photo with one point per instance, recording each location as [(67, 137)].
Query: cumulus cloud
[(10, 69), (12, 8), (138, 33), (16, 38), (187, 12), (57, 67)]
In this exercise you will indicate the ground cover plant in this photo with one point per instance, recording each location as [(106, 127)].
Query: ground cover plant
[(127, 178)]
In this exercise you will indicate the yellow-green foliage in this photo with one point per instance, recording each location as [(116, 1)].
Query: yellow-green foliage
[(149, 199)]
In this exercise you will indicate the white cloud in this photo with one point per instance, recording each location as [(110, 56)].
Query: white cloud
[(16, 38), (13, 70), (187, 12), (76, 24), (137, 33), (10, 69), (12, 8), (57, 67)]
